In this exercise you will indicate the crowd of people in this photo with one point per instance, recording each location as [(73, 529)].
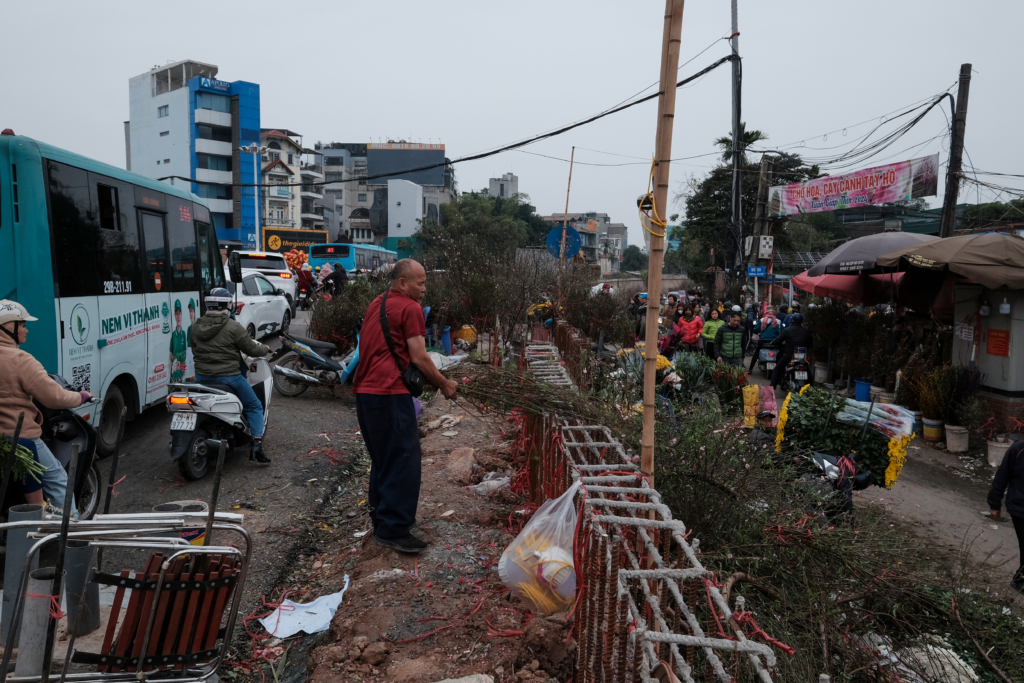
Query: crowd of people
[(724, 331)]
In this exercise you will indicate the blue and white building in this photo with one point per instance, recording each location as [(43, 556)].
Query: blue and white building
[(185, 127)]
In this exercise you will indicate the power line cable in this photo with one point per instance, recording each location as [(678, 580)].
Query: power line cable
[(480, 155)]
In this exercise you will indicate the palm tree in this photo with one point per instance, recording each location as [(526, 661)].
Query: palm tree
[(749, 138)]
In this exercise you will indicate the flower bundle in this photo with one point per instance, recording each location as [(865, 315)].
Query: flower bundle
[(25, 464)]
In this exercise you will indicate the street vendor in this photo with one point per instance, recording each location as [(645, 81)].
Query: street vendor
[(1009, 480)]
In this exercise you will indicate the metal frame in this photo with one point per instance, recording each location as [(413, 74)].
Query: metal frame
[(607, 605), (133, 531)]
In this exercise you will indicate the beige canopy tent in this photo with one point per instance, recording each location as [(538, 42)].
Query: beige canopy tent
[(991, 259)]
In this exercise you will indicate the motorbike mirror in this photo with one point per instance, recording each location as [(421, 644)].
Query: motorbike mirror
[(235, 266)]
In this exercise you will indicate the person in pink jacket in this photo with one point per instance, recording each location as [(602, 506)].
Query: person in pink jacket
[(687, 330), (23, 379)]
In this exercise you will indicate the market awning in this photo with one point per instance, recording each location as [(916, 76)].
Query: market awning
[(851, 289), (861, 253), (992, 259)]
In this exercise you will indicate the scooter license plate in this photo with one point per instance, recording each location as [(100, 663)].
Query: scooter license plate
[(770, 366), (183, 422), (801, 375)]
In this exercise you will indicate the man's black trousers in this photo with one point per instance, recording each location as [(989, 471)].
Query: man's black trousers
[(388, 425)]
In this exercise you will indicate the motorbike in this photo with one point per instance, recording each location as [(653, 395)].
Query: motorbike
[(201, 412), (767, 357), (305, 298), (62, 429), (309, 362), (798, 370)]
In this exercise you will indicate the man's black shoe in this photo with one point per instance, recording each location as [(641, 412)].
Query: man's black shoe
[(405, 544), (257, 453)]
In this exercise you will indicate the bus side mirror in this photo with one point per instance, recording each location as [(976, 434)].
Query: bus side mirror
[(235, 267)]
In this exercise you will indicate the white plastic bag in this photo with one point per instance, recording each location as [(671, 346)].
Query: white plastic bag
[(538, 565)]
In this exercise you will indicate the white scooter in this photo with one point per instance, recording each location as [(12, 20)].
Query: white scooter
[(213, 411)]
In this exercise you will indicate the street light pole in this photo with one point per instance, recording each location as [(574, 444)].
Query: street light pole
[(256, 151)]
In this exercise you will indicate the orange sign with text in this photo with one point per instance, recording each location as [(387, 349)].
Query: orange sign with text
[(998, 343)]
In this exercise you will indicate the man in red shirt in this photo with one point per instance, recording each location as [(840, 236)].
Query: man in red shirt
[(387, 417)]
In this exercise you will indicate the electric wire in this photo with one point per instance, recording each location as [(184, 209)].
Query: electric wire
[(480, 155)]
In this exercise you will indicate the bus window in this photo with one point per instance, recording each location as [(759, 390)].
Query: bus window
[(156, 252), (209, 257), (118, 237), (75, 237), (181, 241)]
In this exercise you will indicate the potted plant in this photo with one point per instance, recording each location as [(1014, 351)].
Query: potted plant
[(931, 400), (960, 384), (999, 441)]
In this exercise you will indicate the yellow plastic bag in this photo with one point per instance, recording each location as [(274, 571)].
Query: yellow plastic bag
[(751, 404)]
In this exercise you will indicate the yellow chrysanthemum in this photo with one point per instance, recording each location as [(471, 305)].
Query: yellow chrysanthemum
[(783, 418), (661, 363), (897, 456), (804, 388)]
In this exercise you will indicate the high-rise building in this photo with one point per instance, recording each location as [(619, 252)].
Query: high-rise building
[(505, 186), (185, 127)]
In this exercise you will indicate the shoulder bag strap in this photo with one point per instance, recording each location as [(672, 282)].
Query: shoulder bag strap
[(387, 332)]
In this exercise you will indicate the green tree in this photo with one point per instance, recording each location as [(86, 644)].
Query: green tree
[(749, 138), (708, 200), (633, 259), (993, 214)]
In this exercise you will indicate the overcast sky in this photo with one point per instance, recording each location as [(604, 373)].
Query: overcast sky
[(477, 75)]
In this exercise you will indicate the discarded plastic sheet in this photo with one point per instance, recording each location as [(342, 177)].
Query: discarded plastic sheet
[(488, 486), (360, 534), (314, 617), (450, 434), (448, 513), (446, 362)]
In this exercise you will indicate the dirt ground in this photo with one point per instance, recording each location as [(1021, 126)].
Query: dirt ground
[(445, 613)]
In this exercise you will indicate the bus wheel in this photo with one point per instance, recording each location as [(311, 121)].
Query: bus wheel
[(110, 414)]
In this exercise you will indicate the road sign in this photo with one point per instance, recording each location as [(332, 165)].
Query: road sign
[(757, 271), (769, 280), (572, 241)]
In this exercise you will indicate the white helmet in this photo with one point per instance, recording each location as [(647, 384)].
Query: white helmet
[(12, 311)]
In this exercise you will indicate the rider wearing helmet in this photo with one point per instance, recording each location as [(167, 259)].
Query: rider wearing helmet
[(22, 380), (216, 343), (794, 336), (336, 278)]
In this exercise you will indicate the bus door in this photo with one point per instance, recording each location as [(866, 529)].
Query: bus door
[(159, 316), (121, 333)]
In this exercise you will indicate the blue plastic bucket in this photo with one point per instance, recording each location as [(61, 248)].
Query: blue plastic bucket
[(863, 390), (446, 341)]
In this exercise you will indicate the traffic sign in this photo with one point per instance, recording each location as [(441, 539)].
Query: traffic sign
[(757, 271), (572, 242), (769, 280)]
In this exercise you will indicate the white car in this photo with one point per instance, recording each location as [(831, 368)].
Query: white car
[(272, 266), (259, 303)]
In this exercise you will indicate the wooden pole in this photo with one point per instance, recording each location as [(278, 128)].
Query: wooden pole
[(663, 152), (565, 221), (956, 151)]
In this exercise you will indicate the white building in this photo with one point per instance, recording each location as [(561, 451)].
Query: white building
[(505, 186), (406, 207), (281, 166), (344, 164), (185, 128)]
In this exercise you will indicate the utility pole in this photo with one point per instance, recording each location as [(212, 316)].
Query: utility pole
[(955, 154), (663, 153), (565, 223), (760, 223), (735, 257)]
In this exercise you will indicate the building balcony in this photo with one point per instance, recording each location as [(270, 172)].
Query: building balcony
[(282, 193), (214, 118), (204, 146), (220, 205), (313, 170), (205, 175), (315, 216), (279, 222), (312, 192)]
